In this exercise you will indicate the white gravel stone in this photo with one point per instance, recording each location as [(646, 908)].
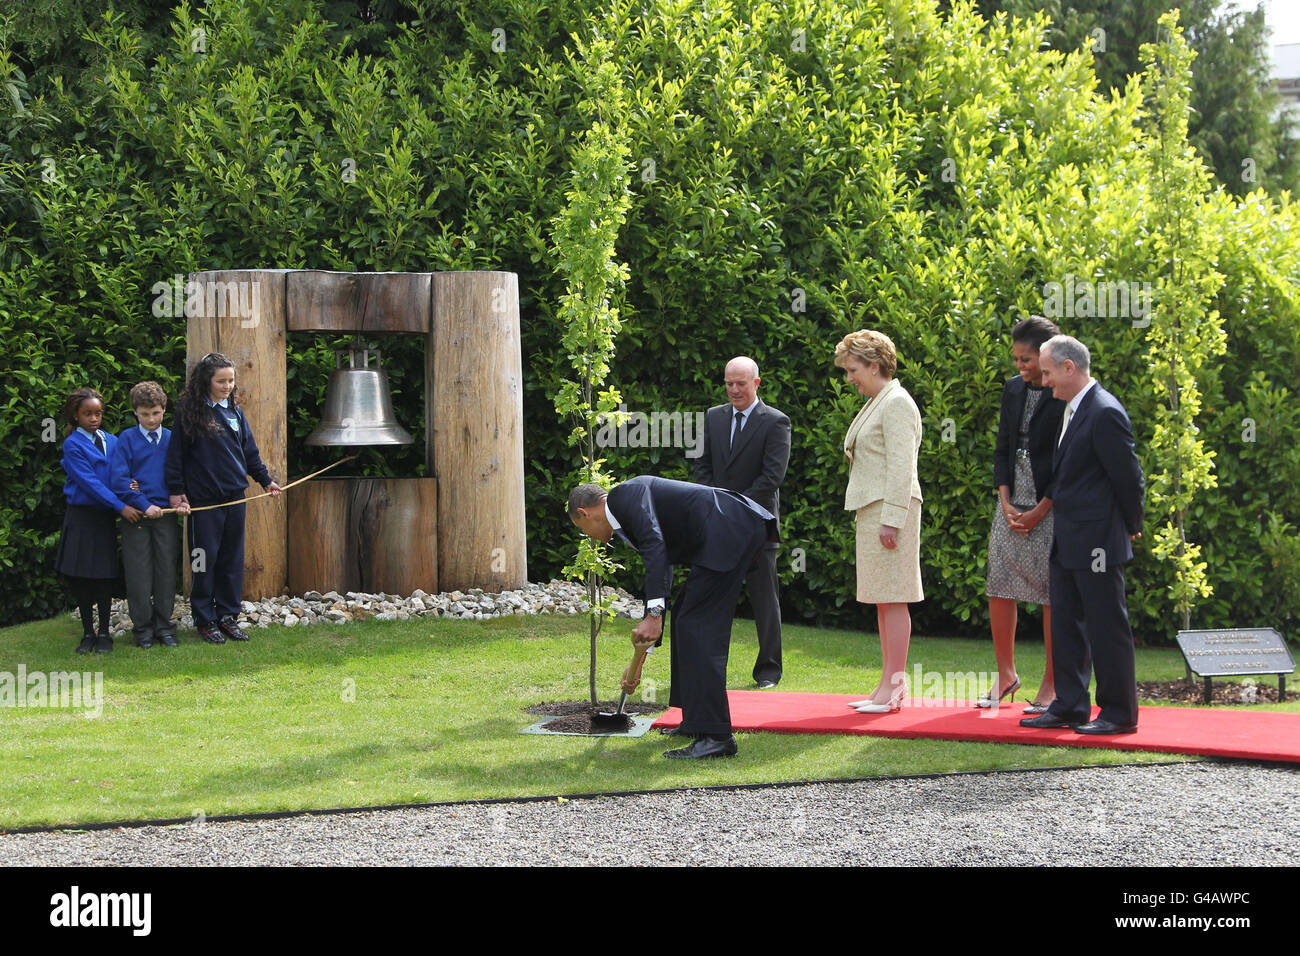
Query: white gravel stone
[(554, 597), (1202, 814)]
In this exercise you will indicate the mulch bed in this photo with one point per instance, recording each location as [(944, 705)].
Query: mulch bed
[(1186, 691), (575, 716), (562, 708)]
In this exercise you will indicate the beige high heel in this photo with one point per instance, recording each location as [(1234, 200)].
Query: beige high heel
[(894, 705)]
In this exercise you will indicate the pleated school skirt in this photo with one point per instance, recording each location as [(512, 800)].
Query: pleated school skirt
[(88, 544)]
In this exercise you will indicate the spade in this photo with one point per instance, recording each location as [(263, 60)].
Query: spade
[(631, 676)]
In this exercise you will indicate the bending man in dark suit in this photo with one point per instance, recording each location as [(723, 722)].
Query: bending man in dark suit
[(1096, 491), (747, 449), (718, 534)]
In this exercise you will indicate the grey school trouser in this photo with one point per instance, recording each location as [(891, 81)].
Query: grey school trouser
[(150, 558)]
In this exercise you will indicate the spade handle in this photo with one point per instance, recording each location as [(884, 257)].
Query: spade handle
[(632, 676)]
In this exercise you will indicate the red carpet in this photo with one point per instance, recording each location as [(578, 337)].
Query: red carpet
[(1205, 731)]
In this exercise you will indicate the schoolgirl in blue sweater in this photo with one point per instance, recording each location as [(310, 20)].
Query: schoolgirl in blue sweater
[(209, 461), (87, 556)]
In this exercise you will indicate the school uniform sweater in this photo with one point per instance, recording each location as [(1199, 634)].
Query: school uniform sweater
[(214, 467), (139, 458), (89, 472)]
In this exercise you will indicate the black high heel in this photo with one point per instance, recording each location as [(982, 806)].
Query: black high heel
[(990, 702)]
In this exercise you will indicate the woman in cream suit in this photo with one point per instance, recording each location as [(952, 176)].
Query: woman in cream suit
[(881, 447)]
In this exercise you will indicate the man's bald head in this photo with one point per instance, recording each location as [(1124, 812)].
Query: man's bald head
[(741, 377)]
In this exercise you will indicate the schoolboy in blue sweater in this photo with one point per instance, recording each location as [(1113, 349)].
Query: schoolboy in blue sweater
[(209, 461), (150, 548)]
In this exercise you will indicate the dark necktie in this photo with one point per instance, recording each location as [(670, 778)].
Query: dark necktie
[(740, 423), (99, 443), (153, 438)]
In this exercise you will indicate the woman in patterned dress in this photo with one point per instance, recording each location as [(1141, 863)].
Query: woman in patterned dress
[(1020, 539)]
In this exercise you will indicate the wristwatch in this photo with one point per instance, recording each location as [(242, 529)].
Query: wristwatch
[(656, 611)]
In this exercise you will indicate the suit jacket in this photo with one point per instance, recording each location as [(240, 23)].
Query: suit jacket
[(675, 522), (1044, 429), (755, 466), (1098, 485), (881, 446)]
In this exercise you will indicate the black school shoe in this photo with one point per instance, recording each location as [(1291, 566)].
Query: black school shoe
[(211, 633), (103, 644), (87, 644), (230, 627), (168, 640)]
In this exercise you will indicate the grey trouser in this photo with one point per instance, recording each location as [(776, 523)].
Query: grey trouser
[(150, 555)]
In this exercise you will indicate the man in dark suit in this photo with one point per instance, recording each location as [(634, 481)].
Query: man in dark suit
[(718, 534), (1097, 491), (747, 449)]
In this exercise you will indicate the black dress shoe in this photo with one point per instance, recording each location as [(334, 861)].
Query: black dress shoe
[(87, 644), (230, 628), (705, 747), (168, 640), (212, 633), (766, 684), (1048, 721), (1100, 726), (103, 644)]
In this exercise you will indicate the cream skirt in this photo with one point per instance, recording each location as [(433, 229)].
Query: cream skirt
[(884, 576)]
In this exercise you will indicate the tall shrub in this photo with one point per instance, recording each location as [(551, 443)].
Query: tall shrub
[(797, 171)]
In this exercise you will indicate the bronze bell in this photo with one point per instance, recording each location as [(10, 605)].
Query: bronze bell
[(358, 405)]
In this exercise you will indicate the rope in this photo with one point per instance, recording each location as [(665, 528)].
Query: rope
[(265, 494), (185, 525)]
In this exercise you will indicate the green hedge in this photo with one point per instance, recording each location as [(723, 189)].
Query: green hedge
[(869, 161)]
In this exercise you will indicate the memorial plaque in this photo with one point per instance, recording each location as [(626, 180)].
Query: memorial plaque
[(1234, 651)]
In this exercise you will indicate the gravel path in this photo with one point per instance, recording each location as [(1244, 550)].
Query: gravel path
[(1197, 814)]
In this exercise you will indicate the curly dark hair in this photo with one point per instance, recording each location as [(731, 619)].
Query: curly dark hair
[(192, 407), (73, 405)]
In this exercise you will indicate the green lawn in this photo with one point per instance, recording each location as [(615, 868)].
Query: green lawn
[(382, 713)]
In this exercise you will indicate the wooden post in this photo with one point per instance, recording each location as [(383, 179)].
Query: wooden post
[(241, 314), (474, 436)]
